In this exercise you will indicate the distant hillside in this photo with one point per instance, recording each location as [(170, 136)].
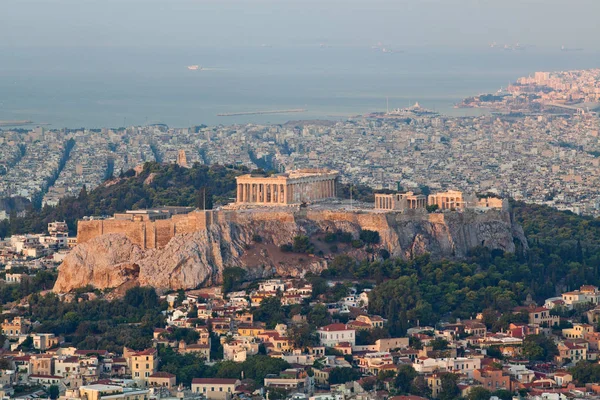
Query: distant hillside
[(156, 185)]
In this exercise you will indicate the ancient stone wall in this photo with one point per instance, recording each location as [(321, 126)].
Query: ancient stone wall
[(146, 234)]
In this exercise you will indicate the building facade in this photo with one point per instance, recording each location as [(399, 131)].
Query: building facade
[(450, 200), (333, 334), (400, 201), (295, 187), (215, 388)]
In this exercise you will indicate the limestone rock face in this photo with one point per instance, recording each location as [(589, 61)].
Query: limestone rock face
[(106, 262), (197, 259)]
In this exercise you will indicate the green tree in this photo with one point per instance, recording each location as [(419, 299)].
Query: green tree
[(539, 348), (343, 375), (503, 394), (232, 278), (53, 392), (479, 393), (269, 312), (439, 344), (449, 387), (319, 316), (302, 244), (303, 336), (432, 208), (404, 378), (585, 372), (369, 237)]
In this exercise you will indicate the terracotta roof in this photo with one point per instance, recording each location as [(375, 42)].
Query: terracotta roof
[(162, 374), (147, 352), (335, 327), (358, 323)]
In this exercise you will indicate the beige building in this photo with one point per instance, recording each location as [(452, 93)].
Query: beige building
[(97, 392), (15, 327), (44, 341), (400, 201), (142, 363), (295, 187), (542, 316), (492, 202), (215, 388), (450, 200), (162, 379)]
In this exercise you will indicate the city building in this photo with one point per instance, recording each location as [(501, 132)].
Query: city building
[(334, 334), (215, 388)]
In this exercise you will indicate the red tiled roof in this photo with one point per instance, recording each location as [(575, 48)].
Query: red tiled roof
[(162, 374), (335, 327), (358, 323), (147, 352)]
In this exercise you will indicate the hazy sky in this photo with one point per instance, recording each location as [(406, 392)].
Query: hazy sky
[(395, 23)]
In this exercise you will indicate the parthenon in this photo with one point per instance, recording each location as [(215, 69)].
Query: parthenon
[(294, 187)]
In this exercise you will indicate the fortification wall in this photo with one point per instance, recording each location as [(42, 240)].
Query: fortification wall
[(146, 234), (157, 234)]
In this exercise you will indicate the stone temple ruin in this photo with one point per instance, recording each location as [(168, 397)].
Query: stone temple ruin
[(295, 187)]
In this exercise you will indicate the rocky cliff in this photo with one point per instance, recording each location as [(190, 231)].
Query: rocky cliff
[(250, 239)]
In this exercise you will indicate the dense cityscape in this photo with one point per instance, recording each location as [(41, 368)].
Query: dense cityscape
[(299, 200), (545, 158)]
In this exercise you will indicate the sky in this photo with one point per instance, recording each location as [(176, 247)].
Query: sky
[(230, 23)]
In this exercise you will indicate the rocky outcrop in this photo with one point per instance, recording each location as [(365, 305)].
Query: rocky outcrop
[(197, 259)]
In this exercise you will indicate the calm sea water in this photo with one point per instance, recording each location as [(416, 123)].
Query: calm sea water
[(113, 86)]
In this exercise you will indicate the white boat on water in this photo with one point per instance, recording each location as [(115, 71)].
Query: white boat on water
[(193, 67)]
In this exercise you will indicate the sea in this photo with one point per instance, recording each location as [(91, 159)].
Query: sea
[(116, 86)]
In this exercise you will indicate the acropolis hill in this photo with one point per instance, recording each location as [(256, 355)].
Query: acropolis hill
[(191, 249)]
